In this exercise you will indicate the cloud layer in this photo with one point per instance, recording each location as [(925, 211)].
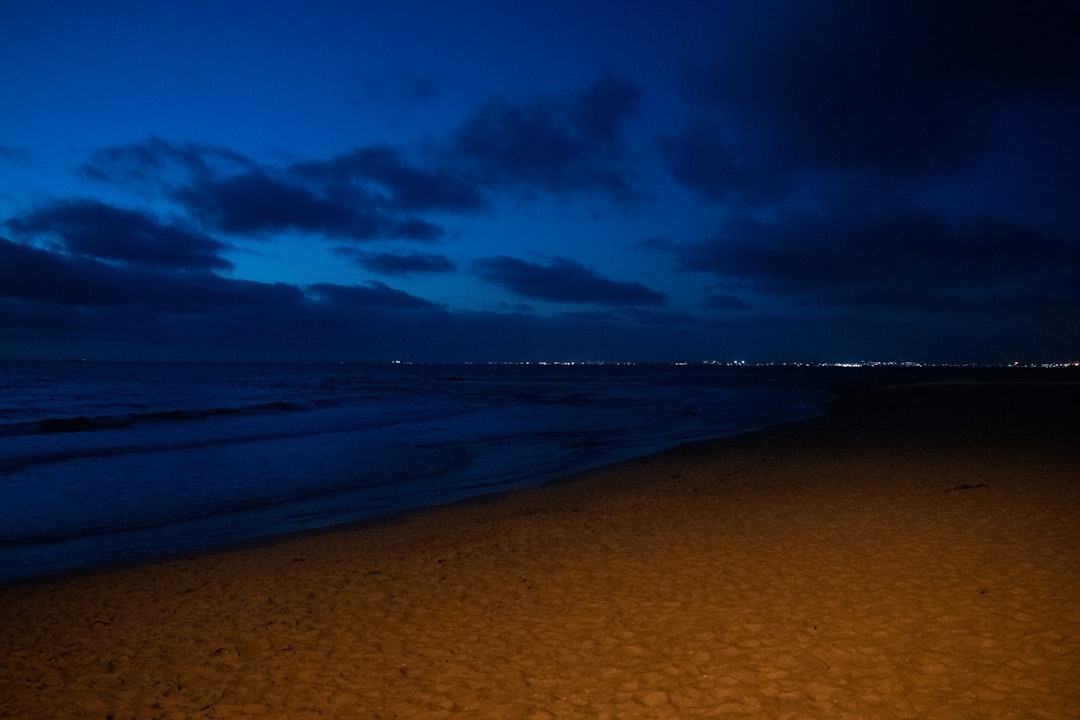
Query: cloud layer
[(91, 228), (890, 257), (101, 275), (815, 180), (563, 280), (892, 89)]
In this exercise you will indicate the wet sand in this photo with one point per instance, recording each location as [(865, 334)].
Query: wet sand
[(913, 554)]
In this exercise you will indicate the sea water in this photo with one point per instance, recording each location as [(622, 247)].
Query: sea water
[(110, 463)]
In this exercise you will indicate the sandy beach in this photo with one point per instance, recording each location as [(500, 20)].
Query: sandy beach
[(913, 554)]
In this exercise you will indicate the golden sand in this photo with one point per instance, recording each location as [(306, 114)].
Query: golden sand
[(915, 554)]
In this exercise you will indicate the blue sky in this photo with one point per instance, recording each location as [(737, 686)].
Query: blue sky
[(771, 181)]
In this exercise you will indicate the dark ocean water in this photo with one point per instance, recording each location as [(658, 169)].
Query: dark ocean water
[(107, 463)]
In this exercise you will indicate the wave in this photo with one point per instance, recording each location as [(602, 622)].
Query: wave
[(365, 493), (83, 423)]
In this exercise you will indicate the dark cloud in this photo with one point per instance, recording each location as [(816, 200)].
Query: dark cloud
[(836, 133), (386, 263), (704, 158), (94, 229), (255, 203), (159, 164), (892, 88), (377, 191), (372, 294), (41, 276), (28, 273), (890, 255), (554, 145), (52, 278), (820, 124), (14, 155), (368, 193), (51, 302), (397, 86), (383, 170), (599, 110), (564, 280), (56, 305)]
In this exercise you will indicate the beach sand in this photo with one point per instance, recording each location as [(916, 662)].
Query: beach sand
[(913, 554)]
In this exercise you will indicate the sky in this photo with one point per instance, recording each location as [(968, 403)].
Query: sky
[(767, 181)]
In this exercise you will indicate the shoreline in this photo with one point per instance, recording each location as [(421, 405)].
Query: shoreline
[(123, 559), (912, 552), (147, 491)]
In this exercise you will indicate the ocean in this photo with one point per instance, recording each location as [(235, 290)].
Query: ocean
[(104, 464)]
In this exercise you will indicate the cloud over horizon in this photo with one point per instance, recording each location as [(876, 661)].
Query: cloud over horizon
[(564, 280), (888, 256), (94, 229), (386, 263), (777, 181)]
